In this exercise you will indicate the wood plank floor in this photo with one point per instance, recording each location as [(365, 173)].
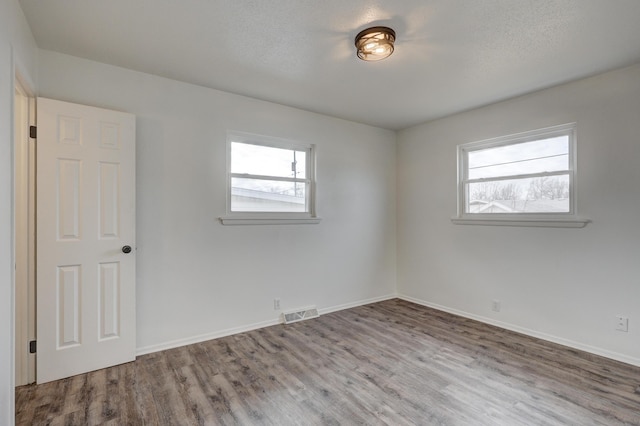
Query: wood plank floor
[(392, 362)]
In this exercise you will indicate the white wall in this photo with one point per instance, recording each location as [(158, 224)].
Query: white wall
[(561, 284), (196, 277), (17, 49)]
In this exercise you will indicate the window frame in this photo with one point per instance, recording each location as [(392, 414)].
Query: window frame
[(265, 217), (545, 219)]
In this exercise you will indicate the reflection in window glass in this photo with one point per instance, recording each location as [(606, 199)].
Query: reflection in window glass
[(267, 161), (547, 155)]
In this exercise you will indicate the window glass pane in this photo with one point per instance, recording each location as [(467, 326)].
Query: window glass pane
[(545, 155), (257, 195), (548, 194), (267, 161)]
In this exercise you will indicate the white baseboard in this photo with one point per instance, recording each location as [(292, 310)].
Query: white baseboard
[(533, 333), (358, 303), (204, 337), (249, 327)]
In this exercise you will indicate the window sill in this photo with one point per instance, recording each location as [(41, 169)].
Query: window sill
[(261, 220), (555, 222)]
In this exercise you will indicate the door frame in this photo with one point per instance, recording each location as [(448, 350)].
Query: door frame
[(24, 231)]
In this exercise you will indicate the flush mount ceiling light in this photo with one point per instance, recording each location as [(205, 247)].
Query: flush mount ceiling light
[(375, 43)]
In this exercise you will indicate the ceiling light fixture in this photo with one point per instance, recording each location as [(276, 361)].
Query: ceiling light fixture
[(375, 43)]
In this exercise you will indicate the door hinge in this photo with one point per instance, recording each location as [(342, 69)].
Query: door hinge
[(33, 132), (32, 347)]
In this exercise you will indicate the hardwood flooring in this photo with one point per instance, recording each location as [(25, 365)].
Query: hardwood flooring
[(392, 362)]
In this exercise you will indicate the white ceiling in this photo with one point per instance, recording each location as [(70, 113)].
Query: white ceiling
[(451, 55)]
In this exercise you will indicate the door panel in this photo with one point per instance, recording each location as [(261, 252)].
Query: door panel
[(68, 304), (68, 199), (109, 199), (109, 300), (85, 215)]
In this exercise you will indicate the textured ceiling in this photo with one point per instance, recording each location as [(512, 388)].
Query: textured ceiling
[(451, 55)]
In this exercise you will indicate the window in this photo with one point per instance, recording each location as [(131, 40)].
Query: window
[(526, 179), (270, 180)]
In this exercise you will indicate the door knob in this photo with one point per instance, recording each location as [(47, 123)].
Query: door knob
[(126, 249)]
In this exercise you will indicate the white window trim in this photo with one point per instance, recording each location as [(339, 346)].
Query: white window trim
[(272, 218), (552, 220)]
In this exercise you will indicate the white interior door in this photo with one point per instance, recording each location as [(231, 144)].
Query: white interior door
[(85, 218)]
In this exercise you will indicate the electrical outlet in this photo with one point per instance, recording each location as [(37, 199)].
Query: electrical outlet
[(622, 323), (276, 304), (495, 306)]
